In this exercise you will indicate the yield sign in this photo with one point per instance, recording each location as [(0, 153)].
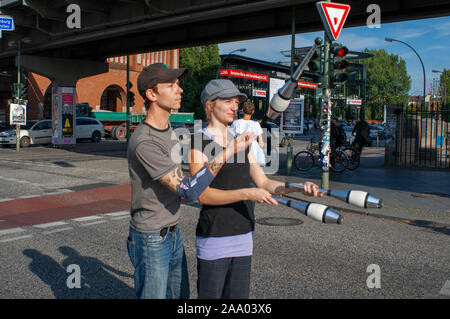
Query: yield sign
[(333, 17)]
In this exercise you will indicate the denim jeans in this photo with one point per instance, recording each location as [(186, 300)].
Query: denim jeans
[(160, 267)]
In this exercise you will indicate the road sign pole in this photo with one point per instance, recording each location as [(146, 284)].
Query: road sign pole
[(326, 116), (128, 99)]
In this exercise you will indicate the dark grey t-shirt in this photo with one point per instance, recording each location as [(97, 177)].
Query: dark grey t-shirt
[(153, 206)]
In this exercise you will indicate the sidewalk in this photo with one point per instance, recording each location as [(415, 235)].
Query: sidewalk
[(414, 194)]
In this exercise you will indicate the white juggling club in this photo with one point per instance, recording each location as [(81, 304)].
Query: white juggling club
[(354, 197), (316, 211)]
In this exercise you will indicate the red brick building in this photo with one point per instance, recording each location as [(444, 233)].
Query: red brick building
[(105, 91)]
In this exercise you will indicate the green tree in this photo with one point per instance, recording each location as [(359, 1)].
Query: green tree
[(202, 63), (387, 82), (444, 90), (445, 87)]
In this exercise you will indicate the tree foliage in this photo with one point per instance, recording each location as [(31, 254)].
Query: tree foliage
[(387, 82), (202, 63), (444, 87)]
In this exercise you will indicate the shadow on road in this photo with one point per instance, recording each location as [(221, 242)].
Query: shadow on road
[(96, 280)]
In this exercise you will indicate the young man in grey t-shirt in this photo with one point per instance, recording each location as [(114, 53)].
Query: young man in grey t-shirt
[(154, 243)]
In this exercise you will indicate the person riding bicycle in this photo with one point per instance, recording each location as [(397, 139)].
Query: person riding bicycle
[(362, 133), (337, 136)]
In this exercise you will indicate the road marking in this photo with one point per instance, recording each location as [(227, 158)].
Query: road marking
[(56, 230), (11, 231), (48, 225), (28, 196), (121, 213), (445, 290), (6, 199), (15, 238), (122, 217), (85, 219), (94, 223)]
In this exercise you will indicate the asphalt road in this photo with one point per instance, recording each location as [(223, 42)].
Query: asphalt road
[(294, 256)]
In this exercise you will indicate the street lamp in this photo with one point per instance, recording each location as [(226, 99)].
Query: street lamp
[(423, 68), (221, 62)]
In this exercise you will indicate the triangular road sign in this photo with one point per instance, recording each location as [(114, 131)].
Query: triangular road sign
[(333, 17)]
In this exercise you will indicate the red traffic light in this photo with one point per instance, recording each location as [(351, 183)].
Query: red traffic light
[(340, 65), (341, 51)]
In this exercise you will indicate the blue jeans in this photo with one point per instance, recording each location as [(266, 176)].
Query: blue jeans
[(160, 267)]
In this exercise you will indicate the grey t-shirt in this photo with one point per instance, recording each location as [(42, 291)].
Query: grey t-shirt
[(153, 205)]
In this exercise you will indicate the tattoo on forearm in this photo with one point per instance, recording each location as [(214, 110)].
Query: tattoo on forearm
[(172, 180), (215, 167)]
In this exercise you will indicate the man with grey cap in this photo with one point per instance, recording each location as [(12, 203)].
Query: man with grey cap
[(158, 184), (224, 241)]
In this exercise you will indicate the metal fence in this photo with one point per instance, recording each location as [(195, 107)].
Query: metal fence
[(423, 138)]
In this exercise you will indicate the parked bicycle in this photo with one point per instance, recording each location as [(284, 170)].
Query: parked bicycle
[(353, 153), (305, 160)]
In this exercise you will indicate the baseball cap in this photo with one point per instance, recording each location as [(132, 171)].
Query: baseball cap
[(158, 73), (220, 88)]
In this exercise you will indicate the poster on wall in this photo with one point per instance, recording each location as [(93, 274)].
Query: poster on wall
[(63, 115), (67, 112)]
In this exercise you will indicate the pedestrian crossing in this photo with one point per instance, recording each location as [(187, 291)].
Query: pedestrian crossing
[(43, 229)]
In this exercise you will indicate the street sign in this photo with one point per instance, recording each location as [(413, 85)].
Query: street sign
[(333, 17), (6, 23)]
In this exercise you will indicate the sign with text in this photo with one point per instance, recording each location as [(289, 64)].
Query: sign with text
[(6, 23), (244, 75)]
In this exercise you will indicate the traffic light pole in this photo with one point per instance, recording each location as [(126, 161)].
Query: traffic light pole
[(18, 95), (326, 116), (128, 99)]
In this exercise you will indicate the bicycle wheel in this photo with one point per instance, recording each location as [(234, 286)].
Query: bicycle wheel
[(353, 158), (303, 161), (339, 162)]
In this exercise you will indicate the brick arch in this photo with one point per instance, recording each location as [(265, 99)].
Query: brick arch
[(113, 98)]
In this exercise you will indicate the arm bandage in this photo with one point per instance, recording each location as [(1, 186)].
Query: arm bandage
[(192, 187)]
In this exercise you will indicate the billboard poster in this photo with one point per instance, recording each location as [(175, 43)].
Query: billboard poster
[(63, 115), (292, 118), (17, 114)]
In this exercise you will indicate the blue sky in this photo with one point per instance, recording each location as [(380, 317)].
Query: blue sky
[(429, 37)]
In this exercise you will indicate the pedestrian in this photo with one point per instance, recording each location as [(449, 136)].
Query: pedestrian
[(361, 130), (246, 124), (154, 243), (224, 233)]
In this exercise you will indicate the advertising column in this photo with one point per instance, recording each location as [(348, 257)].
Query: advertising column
[(63, 115)]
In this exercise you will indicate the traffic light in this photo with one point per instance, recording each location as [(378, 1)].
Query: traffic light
[(315, 64), (14, 91), (324, 117), (23, 91), (130, 95), (19, 91), (338, 66)]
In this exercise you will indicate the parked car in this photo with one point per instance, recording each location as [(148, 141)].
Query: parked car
[(89, 128), (40, 132), (267, 127), (33, 132)]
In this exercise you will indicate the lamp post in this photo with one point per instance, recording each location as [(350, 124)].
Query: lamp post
[(221, 62), (423, 68)]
